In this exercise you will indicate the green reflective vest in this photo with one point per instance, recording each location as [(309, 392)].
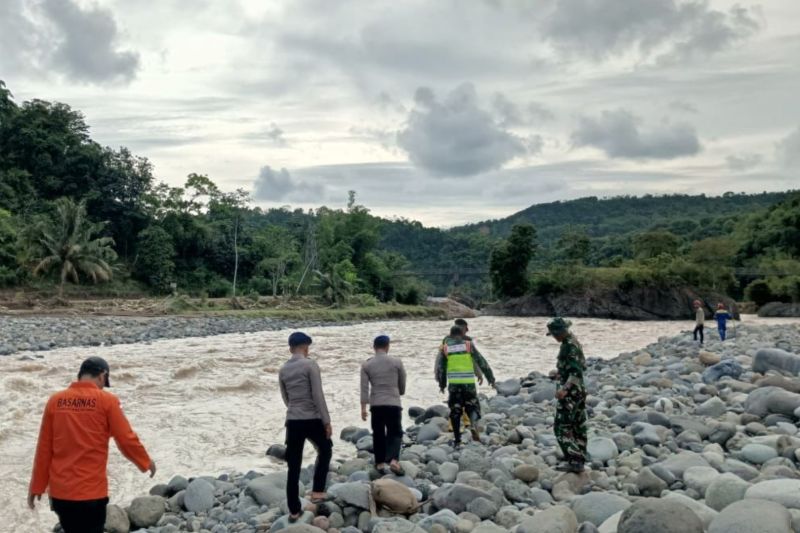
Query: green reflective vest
[(460, 369)]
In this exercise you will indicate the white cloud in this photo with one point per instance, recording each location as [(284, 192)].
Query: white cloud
[(278, 185), (788, 150)]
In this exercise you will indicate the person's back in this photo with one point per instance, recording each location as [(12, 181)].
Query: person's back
[(72, 450), (304, 401), (386, 380)]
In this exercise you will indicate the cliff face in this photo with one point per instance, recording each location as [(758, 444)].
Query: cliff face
[(639, 303), (778, 309)]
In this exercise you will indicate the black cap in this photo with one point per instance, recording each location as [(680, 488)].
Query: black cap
[(298, 338), (94, 366), (456, 331), (461, 322)]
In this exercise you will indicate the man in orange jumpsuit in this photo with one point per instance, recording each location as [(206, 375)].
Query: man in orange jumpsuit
[(72, 453)]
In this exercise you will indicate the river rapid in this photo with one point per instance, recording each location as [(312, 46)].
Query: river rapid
[(212, 405)]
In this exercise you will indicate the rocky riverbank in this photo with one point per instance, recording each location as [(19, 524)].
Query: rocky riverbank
[(19, 334), (683, 439)]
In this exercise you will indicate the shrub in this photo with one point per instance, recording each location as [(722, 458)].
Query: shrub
[(759, 292)]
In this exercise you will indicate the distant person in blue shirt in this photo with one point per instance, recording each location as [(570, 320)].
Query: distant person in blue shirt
[(721, 315)]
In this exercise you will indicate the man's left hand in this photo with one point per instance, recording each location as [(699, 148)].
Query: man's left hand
[(560, 395), (364, 415), (32, 500), (480, 381)]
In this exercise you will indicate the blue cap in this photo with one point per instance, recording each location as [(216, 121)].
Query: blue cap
[(381, 341), (298, 338)]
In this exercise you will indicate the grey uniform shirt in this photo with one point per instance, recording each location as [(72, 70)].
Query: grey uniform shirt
[(301, 389), (383, 380)]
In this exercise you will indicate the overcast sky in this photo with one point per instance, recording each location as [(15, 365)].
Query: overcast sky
[(443, 111)]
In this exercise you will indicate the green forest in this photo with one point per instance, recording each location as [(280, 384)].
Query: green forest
[(76, 214)]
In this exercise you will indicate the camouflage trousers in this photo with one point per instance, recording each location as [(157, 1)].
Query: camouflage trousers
[(463, 399), (570, 427)]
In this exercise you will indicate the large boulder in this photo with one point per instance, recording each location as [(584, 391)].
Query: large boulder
[(783, 491), (557, 519), (779, 309), (270, 490), (752, 516), (653, 515), (146, 511), (767, 359), (597, 507), (705, 513), (199, 496), (772, 400), (117, 520)]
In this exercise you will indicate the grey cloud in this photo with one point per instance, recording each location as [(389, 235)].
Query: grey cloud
[(669, 30), (275, 135), (788, 150), (86, 44), (512, 115), (744, 162), (61, 36), (454, 136), (276, 185), (619, 134), (684, 107)]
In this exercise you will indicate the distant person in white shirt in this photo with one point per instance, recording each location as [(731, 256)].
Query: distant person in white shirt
[(699, 320)]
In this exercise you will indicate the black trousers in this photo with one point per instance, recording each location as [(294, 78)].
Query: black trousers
[(297, 432), (86, 516), (698, 329), (387, 432)]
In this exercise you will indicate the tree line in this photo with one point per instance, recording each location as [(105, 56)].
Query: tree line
[(73, 211)]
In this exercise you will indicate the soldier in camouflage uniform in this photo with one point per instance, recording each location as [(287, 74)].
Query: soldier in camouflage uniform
[(455, 370), (571, 421)]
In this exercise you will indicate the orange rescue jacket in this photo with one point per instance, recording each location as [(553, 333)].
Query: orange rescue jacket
[(72, 453)]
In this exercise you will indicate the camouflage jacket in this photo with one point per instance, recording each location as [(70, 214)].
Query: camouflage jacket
[(480, 364), (571, 365)]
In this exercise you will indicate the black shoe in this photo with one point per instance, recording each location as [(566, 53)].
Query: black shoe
[(564, 467)]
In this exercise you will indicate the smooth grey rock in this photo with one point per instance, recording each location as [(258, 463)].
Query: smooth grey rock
[(448, 471), (177, 484), (145, 511), (713, 407), (457, 497), (117, 520), (446, 518), (199, 496), (752, 516), (767, 359), (356, 493), (557, 519), (705, 513), (678, 463), (428, 432), (270, 490), (653, 515), (526, 473), (509, 387), (602, 449), (650, 484), (482, 507), (772, 400), (785, 492), (303, 524), (725, 490), (597, 507), (396, 525), (758, 453), (699, 478)]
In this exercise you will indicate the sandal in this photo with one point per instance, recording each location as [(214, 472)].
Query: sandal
[(397, 470)]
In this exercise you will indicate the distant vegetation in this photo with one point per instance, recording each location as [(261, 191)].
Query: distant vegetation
[(73, 211)]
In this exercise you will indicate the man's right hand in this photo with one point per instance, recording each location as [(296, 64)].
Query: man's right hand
[(31, 500), (328, 431), (152, 468)]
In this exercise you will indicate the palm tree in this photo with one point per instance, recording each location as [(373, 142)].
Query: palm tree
[(66, 241)]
